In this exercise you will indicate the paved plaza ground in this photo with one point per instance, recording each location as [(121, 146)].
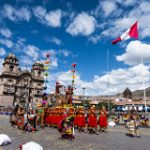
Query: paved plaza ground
[(49, 138)]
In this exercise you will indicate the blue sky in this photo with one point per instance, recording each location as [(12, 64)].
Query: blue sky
[(80, 32)]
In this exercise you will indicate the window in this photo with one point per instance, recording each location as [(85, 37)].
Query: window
[(38, 92), (39, 73), (10, 81), (39, 84), (11, 60), (11, 68)]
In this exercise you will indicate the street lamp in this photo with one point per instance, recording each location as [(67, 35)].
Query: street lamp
[(83, 95)]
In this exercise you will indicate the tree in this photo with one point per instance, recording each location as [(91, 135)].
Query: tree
[(108, 105)]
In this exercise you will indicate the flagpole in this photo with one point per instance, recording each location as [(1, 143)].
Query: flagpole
[(144, 91), (145, 103), (108, 78), (142, 62)]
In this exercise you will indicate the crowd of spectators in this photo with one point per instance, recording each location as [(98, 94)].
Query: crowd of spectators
[(122, 118)]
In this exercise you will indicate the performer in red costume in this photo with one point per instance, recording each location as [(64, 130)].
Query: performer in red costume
[(20, 117), (46, 115), (57, 117), (76, 118), (103, 120), (70, 112), (81, 121), (63, 114), (92, 121)]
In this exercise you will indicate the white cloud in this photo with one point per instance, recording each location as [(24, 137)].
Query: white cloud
[(39, 12), (108, 7), (66, 53), (95, 39), (6, 42), (52, 53), (134, 52), (25, 60), (118, 26), (112, 83), (53, 56), (54, 62), (16, 14), (129, 2), (2, 52), (1, 62), (6, 32), (83, 24), (51, 18), (19, 45), (140, 13), (126, 2), (55, 41), (65, 78), (32, 51)]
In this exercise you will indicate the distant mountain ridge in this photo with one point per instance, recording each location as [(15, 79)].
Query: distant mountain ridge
[(140, 93)]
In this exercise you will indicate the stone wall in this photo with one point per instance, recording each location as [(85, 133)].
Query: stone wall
[(6, 100)]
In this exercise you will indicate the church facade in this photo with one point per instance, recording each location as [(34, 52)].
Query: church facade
[(21, 87)]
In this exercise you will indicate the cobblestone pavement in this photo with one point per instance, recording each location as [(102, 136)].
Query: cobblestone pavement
[(49, 138)]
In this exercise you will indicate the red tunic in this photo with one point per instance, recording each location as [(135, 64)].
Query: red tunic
[(47, 120), (20, 121), (81, 120), (47, 117), (53, 119), (56, 121), (103, 119), (92, 120), (76, 121)]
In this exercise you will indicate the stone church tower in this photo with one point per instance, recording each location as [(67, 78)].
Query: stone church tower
[(22, 87)]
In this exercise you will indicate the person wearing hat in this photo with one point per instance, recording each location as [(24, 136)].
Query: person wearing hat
[(40, 116), (132, 126), (80, 119), (70, 111), (92, 121), (30, 124), (63, 114), (51, 117), (20, 117), (102, 120), (66, 128)]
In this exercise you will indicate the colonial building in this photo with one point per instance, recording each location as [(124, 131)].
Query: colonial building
[(22, 87)]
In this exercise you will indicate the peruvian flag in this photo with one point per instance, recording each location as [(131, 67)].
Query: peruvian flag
[(132, 32)]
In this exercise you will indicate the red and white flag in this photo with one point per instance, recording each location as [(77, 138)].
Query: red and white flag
[(132, 32)]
